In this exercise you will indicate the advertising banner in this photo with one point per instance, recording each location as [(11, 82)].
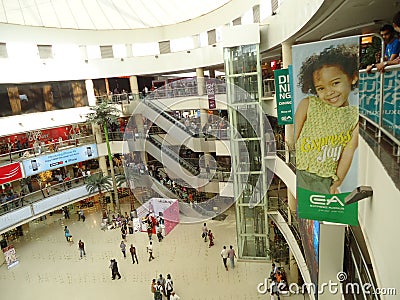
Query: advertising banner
[(10, 173), (59, 159), (283, 97), (326, 101), (67, 132), (11, 256), (168, 208), (210, 88)]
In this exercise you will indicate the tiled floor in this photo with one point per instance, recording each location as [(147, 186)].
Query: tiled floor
[(49, 268)]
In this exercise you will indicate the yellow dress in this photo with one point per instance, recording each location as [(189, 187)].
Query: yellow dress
[(325, 133)]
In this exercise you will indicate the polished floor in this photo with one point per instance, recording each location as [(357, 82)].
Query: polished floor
[(50, 268)]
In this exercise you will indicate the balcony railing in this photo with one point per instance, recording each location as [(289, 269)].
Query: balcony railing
[(19, 155), (13, 201)]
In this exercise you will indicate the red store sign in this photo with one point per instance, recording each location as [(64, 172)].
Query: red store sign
[(10, 173)]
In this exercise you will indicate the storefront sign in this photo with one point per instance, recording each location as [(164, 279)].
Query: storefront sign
[(283, 97), (10, 173), (59, 159)]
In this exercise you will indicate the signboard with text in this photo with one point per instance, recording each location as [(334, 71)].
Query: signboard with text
[(326, 128), (283, 97), (59, 159), (210, 87)]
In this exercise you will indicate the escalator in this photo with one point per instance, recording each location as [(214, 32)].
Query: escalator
[(193, 213), (175, 129)]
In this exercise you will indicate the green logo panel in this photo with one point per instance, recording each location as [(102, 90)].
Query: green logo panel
[(326, 207)]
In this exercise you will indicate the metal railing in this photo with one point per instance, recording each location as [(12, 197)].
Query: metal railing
[(17, 201), (361, 269), (19, 155), (378, 104), (117, 98)]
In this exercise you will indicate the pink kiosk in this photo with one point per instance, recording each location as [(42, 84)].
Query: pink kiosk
[(166, 211)]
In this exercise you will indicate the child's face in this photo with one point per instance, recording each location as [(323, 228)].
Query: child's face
[(333, 86)]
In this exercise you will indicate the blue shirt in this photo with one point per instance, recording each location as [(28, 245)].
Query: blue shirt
[(392, 48)]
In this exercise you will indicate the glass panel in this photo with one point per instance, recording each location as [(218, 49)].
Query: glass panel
[(369, 96), (254, 246), (253, 220)]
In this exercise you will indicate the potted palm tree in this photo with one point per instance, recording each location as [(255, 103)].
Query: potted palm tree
[(99, 183), (103, 115)]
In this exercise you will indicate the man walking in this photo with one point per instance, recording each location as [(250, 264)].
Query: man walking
[(224, 255), (205, 232), (81, 247), (114, 269), (150, 250), (232, 256), (123, 248), (132, 249)]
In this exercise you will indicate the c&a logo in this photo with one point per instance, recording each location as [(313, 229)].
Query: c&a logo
[(325, 201)]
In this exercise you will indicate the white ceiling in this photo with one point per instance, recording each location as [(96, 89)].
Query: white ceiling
[(103, 14)]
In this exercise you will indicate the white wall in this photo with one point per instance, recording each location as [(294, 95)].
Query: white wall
[(291, 16), (36, 70), (379, 218), (331, 250)]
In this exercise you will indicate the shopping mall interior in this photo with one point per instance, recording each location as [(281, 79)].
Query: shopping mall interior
[(129, 122)]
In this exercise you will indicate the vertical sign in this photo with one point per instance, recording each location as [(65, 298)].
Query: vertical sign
[(210, 88), (283, 96), (10, 256), (326, 128)]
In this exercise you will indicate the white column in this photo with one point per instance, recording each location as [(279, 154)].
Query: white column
[(90, 92), (200, 81), (99, 140), (134, 86), (289, 145)]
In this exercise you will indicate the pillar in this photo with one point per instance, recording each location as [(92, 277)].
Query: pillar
[(212, 73), (201, 83), (99, 140), (134, 87), (289, 146), (90, 92)]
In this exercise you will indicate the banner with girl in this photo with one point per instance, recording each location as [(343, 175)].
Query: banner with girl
[(325, 76)]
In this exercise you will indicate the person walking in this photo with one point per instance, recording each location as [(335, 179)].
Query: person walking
[(161, 281), (224, 255), (66, 212), (123, 248), (68, 236), (150, 250), (232, 256), (81, 247), (159, 234), (114, 269), (132, 250), (66, 233), (169, 286), (205, 232), (82, 215), (211, 238), (123, 233)]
